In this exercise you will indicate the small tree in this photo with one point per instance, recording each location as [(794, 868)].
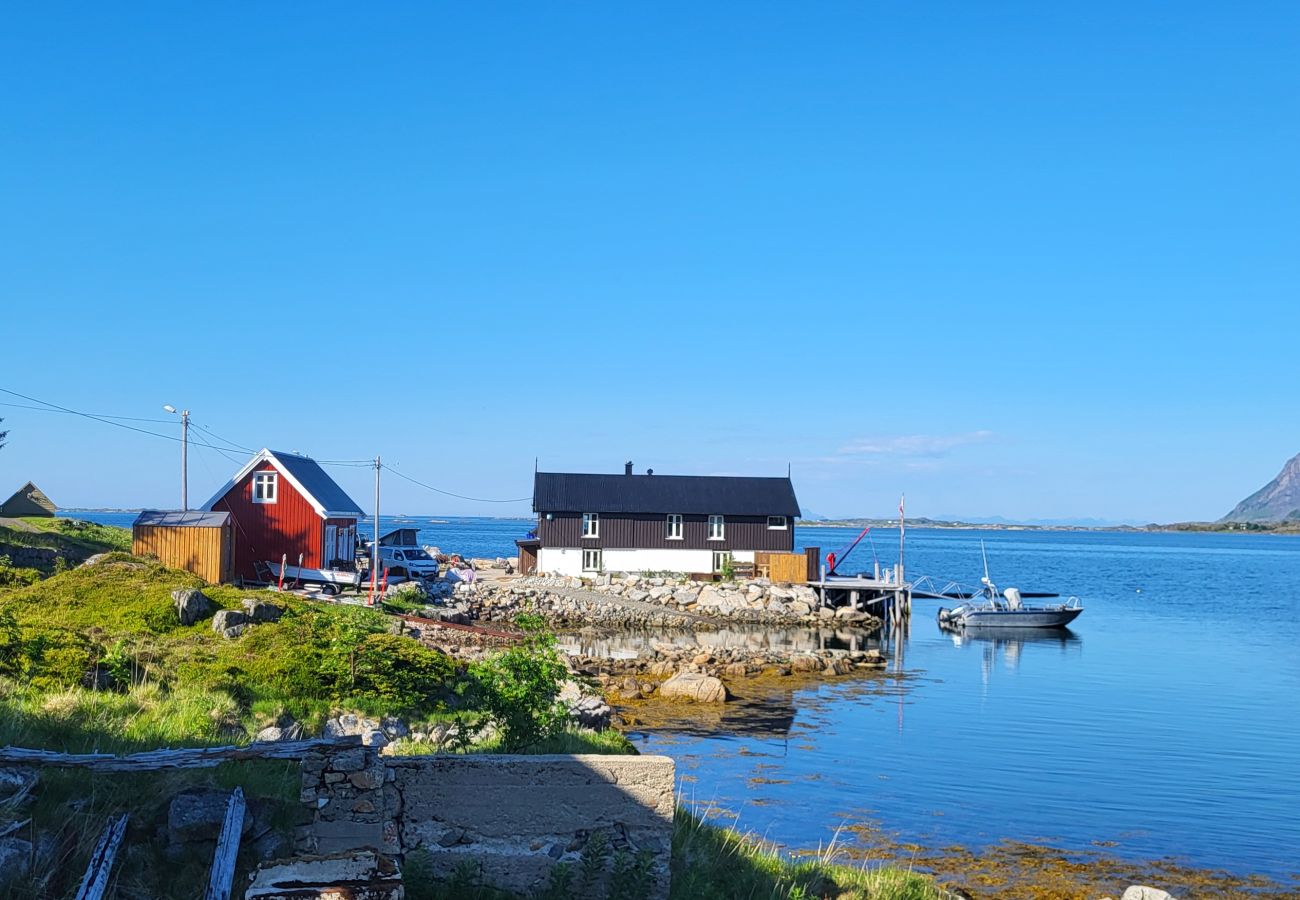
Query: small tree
[(3, 435), (518, 689)]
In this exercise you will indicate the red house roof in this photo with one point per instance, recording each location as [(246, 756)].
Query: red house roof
[(307, 477)]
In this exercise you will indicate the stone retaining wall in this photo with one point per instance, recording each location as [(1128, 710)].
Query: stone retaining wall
[(616, 600), (514, 816)]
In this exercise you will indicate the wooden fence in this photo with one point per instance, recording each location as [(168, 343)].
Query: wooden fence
[(188, 758), (783, 567)]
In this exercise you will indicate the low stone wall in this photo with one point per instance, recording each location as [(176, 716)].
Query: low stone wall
[(624, 600), (515, 817), (29, 557)]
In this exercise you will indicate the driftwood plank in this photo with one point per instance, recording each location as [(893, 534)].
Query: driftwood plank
[(223, 860), (95, 881), (192, 758)]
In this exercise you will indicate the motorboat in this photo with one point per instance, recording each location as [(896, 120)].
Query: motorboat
[(987, 607), (1008, 610)]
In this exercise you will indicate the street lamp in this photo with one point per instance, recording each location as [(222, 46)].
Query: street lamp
[(185, 446)]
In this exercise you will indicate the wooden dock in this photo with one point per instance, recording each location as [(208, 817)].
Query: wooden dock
[(885, 594)]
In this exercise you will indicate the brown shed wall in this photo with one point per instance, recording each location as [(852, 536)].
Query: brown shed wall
[(203, 551)]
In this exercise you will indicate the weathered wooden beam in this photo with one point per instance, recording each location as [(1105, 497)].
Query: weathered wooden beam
[(223, 860), (95, 881), (190, 758)]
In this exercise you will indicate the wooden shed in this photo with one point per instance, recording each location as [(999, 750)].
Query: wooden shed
[(28, 500), (200, 542)]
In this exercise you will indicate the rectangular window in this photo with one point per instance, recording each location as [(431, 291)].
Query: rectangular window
[(776, 523), (590, 525), (265, 487), (591, 561), (721, 560), (674, 527), (716, 528)]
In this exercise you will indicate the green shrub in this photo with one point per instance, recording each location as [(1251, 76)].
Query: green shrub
[(401, 672), (518, 689)]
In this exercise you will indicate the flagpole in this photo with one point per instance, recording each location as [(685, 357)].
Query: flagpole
[(901, 530)]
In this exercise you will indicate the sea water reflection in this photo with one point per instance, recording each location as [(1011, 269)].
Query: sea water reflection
[(1162, 724)]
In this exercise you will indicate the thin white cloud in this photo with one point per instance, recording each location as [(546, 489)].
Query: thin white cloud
[(904, 446)]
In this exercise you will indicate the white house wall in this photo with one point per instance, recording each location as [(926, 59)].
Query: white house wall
[(559, 561), (658, 560)]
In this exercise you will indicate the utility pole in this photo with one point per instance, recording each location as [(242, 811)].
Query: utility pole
[(185, 446), (374, 548)]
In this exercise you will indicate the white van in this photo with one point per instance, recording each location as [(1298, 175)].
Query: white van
[(407, 562)]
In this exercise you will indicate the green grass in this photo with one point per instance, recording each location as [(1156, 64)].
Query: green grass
[(712, 863), (91, 535), (575, 741)]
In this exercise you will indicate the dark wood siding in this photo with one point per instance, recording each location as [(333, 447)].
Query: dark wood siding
[(650, 531)]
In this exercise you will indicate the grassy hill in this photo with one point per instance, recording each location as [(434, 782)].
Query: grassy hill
[(113, 626)]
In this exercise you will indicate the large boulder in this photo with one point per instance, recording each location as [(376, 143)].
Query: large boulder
[(197, 815), (15, 859), (286, 729), (229, 623), (15, 780), (192, 606), (695, 687), (260, 610)]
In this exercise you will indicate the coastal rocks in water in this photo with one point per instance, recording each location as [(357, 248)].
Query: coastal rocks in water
[(1142, 892), (586, 710), (191, 605), (261, 611), (695, 687), (229, 623)]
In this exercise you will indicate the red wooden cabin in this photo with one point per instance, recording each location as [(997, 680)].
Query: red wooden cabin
[(283, 504)]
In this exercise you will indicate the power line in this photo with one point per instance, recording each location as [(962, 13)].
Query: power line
[(97, 415), (450, 493), (106, 420), (223, 440), (47, 406)]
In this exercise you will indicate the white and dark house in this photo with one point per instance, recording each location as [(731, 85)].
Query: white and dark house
[(587, 524)]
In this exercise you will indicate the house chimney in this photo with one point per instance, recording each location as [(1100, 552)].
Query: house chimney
[(649, 471), (627, 467)]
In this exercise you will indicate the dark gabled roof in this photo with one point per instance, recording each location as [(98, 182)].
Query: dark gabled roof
[(727, 495), (308, 478), (318, 484), (176, 518)]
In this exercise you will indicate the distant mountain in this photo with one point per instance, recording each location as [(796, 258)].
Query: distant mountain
[(1274, 502)]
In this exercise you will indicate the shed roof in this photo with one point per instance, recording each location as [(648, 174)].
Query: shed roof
[(28, 500), (308, 478), (688, 494), (194, 518)]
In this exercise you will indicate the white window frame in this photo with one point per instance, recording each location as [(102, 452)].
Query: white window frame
[(591, 525), (597, 556), (718, 559), (721, 523), (785, 523), (674, 525), (266, 478)]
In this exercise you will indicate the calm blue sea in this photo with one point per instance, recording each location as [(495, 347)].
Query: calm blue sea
[(1166, 720)]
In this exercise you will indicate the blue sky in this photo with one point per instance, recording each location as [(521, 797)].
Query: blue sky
[(1029, 260)]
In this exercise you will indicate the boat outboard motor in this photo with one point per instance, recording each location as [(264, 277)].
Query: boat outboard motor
[(1013, 598)]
